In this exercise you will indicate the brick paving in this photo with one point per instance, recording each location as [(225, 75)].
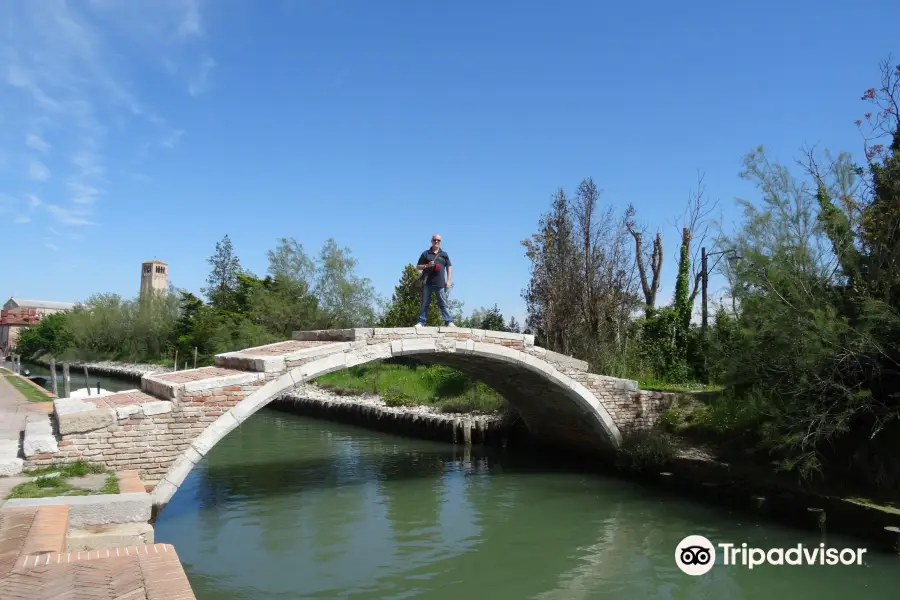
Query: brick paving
[(198, 374), (48, 531), (130, 482), (34, 565), (283, 348)]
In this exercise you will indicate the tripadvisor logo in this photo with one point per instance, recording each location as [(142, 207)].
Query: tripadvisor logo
[(695, 555)]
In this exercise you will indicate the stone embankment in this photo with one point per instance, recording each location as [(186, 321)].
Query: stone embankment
[(115, 369), (370, 410)]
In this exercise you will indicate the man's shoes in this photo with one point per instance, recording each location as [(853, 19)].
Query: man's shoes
[(419, 325), (449, 324)]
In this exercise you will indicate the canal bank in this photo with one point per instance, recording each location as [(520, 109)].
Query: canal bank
[(106, 368)]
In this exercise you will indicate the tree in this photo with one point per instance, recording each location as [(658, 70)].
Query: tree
[(403, 310), (552, 305), (493, 320), (289, 260), (513, 325), (222, 282), (344, 298), (649, 286)]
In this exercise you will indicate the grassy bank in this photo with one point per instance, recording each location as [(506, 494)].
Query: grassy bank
[(442, 388), (31, 392), (67, 480)]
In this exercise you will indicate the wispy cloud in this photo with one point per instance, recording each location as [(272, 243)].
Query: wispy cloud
[(51, 245), (200, 82), (70, 68), (38, 171), (72, 217), (36, 142), (23, 219)]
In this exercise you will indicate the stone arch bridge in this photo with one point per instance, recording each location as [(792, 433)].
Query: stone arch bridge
[(164, 428)]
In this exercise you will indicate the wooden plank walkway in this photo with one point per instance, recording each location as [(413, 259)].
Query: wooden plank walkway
[(35, 566)]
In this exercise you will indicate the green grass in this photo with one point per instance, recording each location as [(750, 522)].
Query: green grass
[(663, 386), (443, 388), (59, 486), (31, 393)]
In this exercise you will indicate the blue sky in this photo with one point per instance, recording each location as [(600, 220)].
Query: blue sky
[(150, 129)]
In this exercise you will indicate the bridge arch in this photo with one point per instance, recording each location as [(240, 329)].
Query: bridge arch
[(555, 407)]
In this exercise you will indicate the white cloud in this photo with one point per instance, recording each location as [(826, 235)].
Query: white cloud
[(72, 70), (38, 171), (51, 245), (36, 142), (72, 217), (200, 82), (82, 193), (23, 219)]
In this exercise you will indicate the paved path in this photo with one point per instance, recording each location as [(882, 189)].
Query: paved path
[(14, 407)]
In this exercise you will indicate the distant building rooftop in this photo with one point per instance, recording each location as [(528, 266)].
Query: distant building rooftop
[(22, 303)]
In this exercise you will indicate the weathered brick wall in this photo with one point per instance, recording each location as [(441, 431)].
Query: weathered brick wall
[(629, 407), (146, 443)]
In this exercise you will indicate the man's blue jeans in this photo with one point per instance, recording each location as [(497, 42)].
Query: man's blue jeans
[(441, 293)]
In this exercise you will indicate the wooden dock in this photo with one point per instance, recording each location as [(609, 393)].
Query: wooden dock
[(34, 564)]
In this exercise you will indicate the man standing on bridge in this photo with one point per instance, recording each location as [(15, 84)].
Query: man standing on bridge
[(435, 264)]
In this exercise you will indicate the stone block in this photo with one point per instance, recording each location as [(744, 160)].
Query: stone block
[(117, 535), (368, 354), (311, 370), (413, 346), (497, 352), (76, 416), (503, 335), (101, 509), (124, 412), (157, 407), (163, 492), (39, 438), (220, 382), (250, 362), (10, 463)]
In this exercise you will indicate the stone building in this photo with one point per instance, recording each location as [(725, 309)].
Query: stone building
[(154, 277), (18, 313)]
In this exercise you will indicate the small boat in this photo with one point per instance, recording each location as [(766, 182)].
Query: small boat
[(94, 392), (39, 379)]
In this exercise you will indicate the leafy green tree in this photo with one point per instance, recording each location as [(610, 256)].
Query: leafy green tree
[(493, 320), (403, 310), (222, 282), (290, 261), (50, 337), (283, 305), (345, 299)]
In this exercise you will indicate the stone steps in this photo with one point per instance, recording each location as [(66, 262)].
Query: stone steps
[(38, 438)]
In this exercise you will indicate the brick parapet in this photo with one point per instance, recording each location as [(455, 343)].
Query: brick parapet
[(148, 444)]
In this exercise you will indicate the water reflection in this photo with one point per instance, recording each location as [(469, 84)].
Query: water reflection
[(286, 507)]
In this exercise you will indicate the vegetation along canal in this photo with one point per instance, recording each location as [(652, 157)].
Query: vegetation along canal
[(293, 507)]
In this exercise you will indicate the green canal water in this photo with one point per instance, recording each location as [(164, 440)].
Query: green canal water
[(292, 507)]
